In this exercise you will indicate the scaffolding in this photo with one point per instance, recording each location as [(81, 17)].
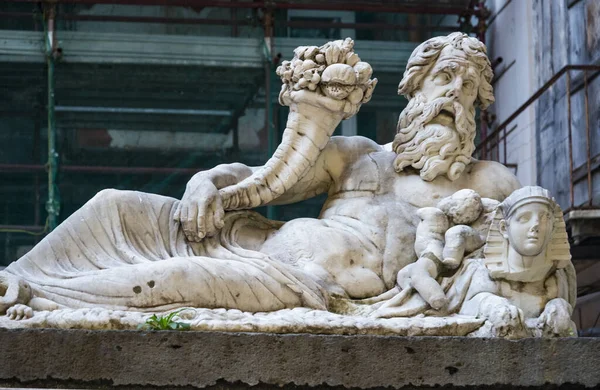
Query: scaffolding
[(255, 59), (494, 145)]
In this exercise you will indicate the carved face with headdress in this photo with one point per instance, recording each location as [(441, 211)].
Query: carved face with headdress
[(527, 225)]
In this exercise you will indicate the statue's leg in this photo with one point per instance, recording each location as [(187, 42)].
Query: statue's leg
[(184, 282), (123, 250), (113, 229)]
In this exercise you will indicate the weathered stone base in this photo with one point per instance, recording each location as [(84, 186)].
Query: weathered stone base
[(80, 358)]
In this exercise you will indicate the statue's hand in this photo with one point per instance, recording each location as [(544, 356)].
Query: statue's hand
[(13, 290), (421, 276), (200, 211), (555, 320), (506, 319)]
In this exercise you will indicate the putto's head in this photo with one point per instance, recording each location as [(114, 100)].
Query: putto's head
[(444, 79), (463, 207)]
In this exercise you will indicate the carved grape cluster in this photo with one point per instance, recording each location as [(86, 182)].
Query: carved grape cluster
[(333, 69)]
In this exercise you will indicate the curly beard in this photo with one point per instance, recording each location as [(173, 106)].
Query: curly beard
[(433, 148)]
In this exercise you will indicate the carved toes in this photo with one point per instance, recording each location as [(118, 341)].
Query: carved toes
[(19, 312)]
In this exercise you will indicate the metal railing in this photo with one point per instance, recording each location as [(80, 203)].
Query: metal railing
[(495, 143)]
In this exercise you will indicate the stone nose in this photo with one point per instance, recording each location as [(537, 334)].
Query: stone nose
[(535, 227), (455, 88)]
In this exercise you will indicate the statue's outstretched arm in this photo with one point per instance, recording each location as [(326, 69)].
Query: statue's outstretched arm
[(201, 209), (322, 86)]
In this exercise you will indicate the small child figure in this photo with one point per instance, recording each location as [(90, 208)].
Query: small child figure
[(440, 247), (471, 216)]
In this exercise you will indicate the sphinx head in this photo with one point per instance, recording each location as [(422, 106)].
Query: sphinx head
[(528, 233), (528, 221), (445, 78)]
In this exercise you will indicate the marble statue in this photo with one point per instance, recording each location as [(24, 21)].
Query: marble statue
[(127, 253), (521, 281)]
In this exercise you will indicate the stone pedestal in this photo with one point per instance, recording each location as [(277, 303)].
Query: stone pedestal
[(84, 359)]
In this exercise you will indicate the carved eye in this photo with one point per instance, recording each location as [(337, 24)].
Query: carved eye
[(442, 78), (469, 85), (523, 218)]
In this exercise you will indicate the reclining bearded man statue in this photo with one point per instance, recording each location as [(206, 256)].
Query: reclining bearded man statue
[(128, 250)]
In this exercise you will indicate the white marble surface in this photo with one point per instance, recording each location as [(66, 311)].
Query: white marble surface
[(399, 218), (297, 320)]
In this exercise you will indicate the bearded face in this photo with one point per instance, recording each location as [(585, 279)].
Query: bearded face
[(435, 135)]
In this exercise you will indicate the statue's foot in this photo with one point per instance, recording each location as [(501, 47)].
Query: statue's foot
[(13, 290), (507, 321), (19, 312), (438, 301), (555, 320)]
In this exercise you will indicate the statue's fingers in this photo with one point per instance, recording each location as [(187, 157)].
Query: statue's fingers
[(15, 313), (219, 213), (430, 291), (177, 213), (209, 223), (200, 220), (188, 224)]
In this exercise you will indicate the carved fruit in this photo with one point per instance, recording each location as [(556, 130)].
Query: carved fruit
[(309, 64), (338, 80), (355, 96), (303, 83), (315, 78), (369, 92), (340, 74), (363, 72), (352, 59), (299, 51), (311, 52), (332, 54)]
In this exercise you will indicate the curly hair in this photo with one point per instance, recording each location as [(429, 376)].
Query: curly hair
[(426, 54)]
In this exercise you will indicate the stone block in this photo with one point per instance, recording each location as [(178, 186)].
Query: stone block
[(42, 357)]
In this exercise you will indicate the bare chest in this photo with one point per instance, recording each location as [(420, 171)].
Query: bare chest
[(373, 175), (530, 297)]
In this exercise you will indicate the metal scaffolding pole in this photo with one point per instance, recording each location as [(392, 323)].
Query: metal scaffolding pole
[(363, 6), (272, 137), (53, 203)]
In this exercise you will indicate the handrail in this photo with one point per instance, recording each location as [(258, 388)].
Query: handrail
[(492, 141), (533, 98)]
